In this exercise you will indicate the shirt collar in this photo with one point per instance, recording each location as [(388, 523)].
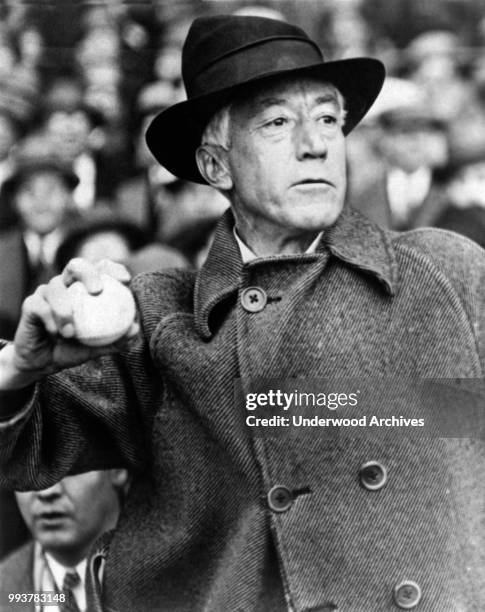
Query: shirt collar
[(353, 239), (248, 255), (59, 571), (48, 575), (42, 249)]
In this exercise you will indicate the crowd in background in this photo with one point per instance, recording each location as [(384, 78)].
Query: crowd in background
[(80, 81)]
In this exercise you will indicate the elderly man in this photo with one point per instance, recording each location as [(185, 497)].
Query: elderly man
[(219, 518)]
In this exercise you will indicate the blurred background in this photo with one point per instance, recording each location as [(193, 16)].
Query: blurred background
[(80, 81)]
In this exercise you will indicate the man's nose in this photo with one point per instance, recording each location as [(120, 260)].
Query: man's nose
[(51, 493), (310, 143)]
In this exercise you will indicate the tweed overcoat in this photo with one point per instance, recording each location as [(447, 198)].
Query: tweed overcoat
[(197, 532)]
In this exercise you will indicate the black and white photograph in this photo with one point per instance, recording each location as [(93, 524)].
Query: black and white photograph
[(242, 305)]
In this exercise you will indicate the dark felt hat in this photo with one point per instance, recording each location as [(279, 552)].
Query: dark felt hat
[(223, 54)]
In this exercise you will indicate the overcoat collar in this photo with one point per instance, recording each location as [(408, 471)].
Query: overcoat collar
[(353, 239)]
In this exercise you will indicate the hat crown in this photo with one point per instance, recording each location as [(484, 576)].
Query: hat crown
[(212, 38)]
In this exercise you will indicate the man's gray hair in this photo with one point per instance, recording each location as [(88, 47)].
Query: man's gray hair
[(217, 131)]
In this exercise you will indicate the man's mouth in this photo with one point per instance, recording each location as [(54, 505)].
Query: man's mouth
[(314, 181), (51, 517)]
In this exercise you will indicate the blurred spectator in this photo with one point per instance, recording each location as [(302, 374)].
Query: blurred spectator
[(345, 31), (99, 58), (76, 136), (187, 216), (65, 521), (64, 93), (135, 196), (435, 61), (413, 144), (180, 214), (103, 234), (465, 212), (60, 27), (39, 193)]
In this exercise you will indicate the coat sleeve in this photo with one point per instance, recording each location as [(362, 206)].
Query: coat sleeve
[(91, 417), (461, 263)]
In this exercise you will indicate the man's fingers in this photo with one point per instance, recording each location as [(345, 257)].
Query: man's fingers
[(114, 269), (36, 307), (60, 303), (90, 275), (79, 269)]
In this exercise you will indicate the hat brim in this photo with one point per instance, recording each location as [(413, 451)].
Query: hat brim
[(12, 183), (175, 134)]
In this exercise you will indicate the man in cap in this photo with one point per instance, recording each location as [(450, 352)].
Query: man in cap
[(64, 521), (219, 518), (412, 144), (39, 195)]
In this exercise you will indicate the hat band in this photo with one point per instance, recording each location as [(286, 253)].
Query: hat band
[(254, 62)]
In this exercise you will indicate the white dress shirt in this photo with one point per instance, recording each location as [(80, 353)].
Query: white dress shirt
[(49, 576), (42, 249), (407, 191), (248, 255)]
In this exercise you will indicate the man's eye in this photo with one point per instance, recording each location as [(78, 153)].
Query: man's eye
[(278, 122), (328, 119)]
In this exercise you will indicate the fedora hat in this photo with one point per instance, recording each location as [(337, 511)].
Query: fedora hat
[(35, 154), (224, 54)]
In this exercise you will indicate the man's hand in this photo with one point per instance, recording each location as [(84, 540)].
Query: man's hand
[(45, 339)]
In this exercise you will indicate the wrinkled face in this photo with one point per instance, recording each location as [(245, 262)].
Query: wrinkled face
[(287, 156), (68, 517), (41, 201)]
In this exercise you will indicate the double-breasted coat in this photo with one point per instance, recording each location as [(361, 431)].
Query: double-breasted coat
[(202, 528)]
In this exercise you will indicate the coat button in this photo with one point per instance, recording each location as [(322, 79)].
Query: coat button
[(280, 498), (373, 475), (407, 594), (253, 299)]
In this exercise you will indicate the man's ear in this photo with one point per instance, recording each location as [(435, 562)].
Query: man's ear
[(212, 164), (120, 479)]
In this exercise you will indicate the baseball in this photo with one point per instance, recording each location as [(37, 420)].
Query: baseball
[(103, 318)]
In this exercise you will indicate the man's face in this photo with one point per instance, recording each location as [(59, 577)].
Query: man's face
[(42, 200), (287, 156), (414, 148), (68, 517), (69, 133)]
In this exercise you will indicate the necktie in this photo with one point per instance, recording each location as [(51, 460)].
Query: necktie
[(71, 580)]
